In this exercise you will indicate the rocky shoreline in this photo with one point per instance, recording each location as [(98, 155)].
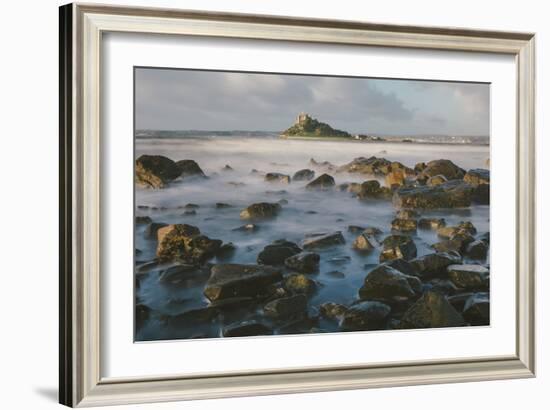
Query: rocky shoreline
[(447, 287)]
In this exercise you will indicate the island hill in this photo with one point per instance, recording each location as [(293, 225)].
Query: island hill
[(308, 127)]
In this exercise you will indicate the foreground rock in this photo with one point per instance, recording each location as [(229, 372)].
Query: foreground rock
[(469, 277), (261, 210), (388, 285), (185, 243), (235, 280), (477, 309), (430, 311), (304, 262), (276, 177), (478, 176), (190, 168), (434, 264), (398, 246), (477, 250), (452, 194), (443, 167), (277, 252), (321, 183), (369, 315), (300, 284), (289, 307), (323, 240), (304, 175), (155, 171), (248, 328)]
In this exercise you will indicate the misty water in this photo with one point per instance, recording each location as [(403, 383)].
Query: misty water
[(306, 212)]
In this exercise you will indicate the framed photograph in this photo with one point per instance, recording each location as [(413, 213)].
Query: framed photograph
[(259, 205)]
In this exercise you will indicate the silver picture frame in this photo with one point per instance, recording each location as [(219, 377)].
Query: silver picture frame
[(81, 31)]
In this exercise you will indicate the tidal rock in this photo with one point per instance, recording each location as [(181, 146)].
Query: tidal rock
[(463, 227), (402, 266), (183, 275), (478, 176), (334, 311), (373, 190), (304, 262), (277, 252), (404, 225), (365, 242), (261, 210), (235, 280), (286, 307), (304, 175), (477, 309), (434, 264), (443, 167), (452, 194), (369, 166), (185, 243), (223, 205), (300, 284), (398, 246), (368, 315), (387, 284), (277, 177), (469, 277), (431, 223), (324, 240), (247, 328), (155, 171), (189, 168), (323, 182), (430, 311), (143, 220), (477, 250)]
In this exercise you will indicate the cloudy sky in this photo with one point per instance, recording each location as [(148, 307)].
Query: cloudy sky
[(209, 100)]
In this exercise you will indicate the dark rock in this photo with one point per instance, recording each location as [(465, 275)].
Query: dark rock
[(325, 165), (247, 328), (286, 307), (324, 240), (404, 225), (304, 262), (469, 277), (388, 285), (398, 246), (373, 190), (189, 168), (402, 266), (247, 228), (485, 237), (436, 180), (365, 242), (434, 264), (477, 309), (191, 206), (280, 192), (478, 176), (235, 280), (304, 175), (226, 250), (443, 167), (277, 252), (431, 223), (368, 315), (143, 313), (477, 250), (183, 275), (300, 284), (430, 311), (277, 177), (261, 210), (367, 230), (482, 194), (457, 243), (452, 194), (443, 286), (236, 184), (185, 243), (143, 220), (190, 212), (322, 182), (334, 311), (222, 205), (458, 300), (155, 171), (227, 168), (369, 166)]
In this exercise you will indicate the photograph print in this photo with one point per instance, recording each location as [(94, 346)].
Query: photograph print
[(277, 204)]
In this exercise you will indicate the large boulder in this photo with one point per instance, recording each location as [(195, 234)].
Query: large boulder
[(235, 280), (477, 250), (182, 242), (303, 175), (277, 252), (284, 308), (434, 264), (368, 315), (452, 194), (155, 171), (388, 285), (321, 183), (261, 210), (277, 177), (443, 167), (368, 166), (323, 240), (430, 311), (478, 176), (373, 190), (398, 246), (304, 262), (190, 168), (477, 309), (469, 277)]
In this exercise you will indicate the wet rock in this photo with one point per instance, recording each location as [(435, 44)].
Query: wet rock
[(247, 328), (236, 280), (477, 250), (334, 311), (277, 177), (368, 315), (434, 264), (324, 240), (482, 194), (463, 227), (323, 182), (304, 262), (191, 206), (402, 266), (304, 175), (286, 307), (261, 210), (223, 205), (404, 225), (185, 243), (183, 275), (443, 167), (443, 286), (458, 300), (277, 252), (369, 166), (365, 242), (189, 168), (430, 311), (226, 250), (477, 309), (247, 228), (431, 223), (300, 284), (436, 180), (469, 277), (387, 284), (478, 176), (398, 246), (373, 190), (452, 194), (155, 171), (143, 220)]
